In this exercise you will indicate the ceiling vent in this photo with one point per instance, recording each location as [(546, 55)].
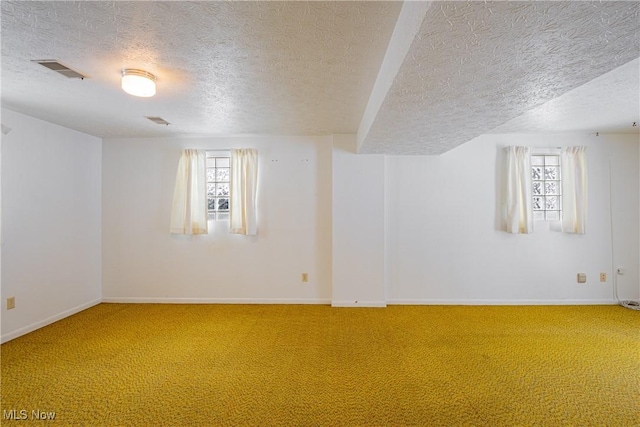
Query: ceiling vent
[(158, 120), (54, 65)]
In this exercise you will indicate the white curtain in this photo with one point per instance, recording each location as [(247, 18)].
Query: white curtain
[(518, 197), (189, 213), (574, 189), (244, 185)]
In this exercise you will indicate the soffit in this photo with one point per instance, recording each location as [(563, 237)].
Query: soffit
[(475, 65), (607, 104)]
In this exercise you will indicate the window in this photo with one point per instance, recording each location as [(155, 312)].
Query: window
[(546, 178), (218, 173)]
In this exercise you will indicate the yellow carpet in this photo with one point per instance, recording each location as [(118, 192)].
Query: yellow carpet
[(226, 365)]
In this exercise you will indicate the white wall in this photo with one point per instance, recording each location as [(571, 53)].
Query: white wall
[(358, 226), (143, 262), (366, 228), (51, 208), (446, 246)]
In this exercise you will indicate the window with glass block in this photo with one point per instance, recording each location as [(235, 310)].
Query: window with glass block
[(547, 200), (218, 173)]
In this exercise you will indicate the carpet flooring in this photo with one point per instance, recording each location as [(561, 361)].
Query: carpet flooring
[(289, 365)]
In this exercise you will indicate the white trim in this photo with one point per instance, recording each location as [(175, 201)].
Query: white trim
[(501, 302), (49, 320), (153, 300), (37, 325), (358, 304)]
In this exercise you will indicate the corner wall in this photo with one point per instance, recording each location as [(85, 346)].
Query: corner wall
[(142, 262), (359, 270), (51, 210)]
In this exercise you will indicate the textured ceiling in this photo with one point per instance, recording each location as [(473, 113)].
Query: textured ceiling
[(475, 65), (613, 105), (222, 67), (420, 81)]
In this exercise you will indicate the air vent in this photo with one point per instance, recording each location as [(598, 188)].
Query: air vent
[(54, 65), (158, 120)]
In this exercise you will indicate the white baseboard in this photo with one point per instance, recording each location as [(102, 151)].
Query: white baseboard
[(163, 300), (381, 304), (501, 302), (37, 325), (145, 300)]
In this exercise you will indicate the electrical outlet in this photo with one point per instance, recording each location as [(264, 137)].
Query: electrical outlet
[(305, 277), (582, 278), (11, 303), (603, 277)]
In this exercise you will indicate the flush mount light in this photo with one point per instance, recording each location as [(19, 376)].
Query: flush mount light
[(138, 82)]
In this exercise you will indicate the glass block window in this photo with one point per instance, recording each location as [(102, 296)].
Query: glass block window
[(545, 174), (218, 173)]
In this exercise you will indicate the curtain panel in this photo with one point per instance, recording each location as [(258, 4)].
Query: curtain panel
[(189, 210), (574, 189), (243, 191), (518, 212)]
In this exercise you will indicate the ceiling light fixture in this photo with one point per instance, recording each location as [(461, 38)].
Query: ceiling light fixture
[(138, 82)]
